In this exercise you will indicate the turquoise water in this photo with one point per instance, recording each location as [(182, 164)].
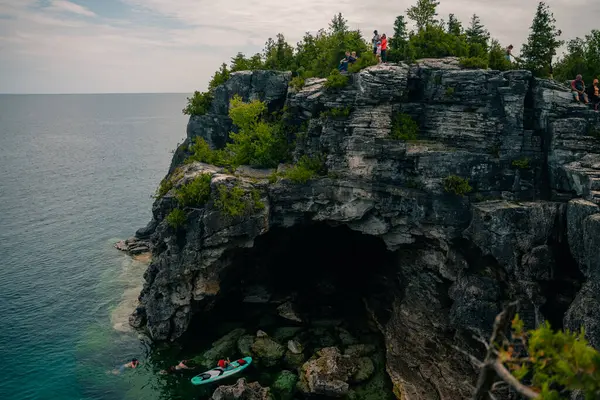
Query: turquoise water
[(77, 173)]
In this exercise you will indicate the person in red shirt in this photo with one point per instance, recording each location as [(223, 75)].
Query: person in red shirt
[(223, 363), (383, 48)]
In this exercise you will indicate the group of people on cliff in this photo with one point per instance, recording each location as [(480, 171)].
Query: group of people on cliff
[(589, 95), (380, 46)]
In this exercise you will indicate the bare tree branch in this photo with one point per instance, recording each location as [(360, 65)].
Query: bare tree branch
[(473, 360), (507, 377), (488, 374)]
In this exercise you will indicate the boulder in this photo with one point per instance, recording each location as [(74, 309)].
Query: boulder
[(242, 390), (364, 369), (268, 351), (244, 345), (294, 347), (328, 374), (222, 348)]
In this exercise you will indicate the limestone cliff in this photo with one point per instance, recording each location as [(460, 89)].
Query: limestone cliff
[(528, 230)]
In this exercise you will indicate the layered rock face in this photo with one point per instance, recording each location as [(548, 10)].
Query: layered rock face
[(528, 230)]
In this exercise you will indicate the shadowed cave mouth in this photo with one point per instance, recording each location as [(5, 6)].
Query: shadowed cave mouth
[(327, 273)]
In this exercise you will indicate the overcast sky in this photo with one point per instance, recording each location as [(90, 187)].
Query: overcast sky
[(118, 46)]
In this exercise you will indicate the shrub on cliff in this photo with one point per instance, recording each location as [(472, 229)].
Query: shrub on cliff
[(522, 163), (194, 193), (297, 83), (257, 143), (201, 152), (198, 104), (582, 57), (234, 201), (404, 127), (497, 59), (176, 218), (457, 185), (336, 80), (364, 60), (306, 169), (474, 62)]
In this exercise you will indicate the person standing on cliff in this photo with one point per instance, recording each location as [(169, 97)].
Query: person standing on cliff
[(384, 48), (509, 54), (594, 94), (376, 41)]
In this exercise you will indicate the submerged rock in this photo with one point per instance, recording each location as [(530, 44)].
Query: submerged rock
[(244, 345), (242, 390), (286, 333), (294, 347), (285, 385), (286, 310)]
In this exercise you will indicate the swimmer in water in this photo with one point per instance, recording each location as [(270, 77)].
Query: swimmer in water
[(131, 364), (178, 367)]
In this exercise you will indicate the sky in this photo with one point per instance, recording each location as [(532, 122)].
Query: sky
[(174, 46)]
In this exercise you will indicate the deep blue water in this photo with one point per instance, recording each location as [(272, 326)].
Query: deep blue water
[(76, 173)]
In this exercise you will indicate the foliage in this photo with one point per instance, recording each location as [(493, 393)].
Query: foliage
[(241, 63), (234, 201), (457, 185), (434, 41), (297, 83), (336, 112), (449, 91), (593, 131), (165, 186), (474, 62), (194, 193), (477, 37), (278, 54), (497, 57), (583, 57), (257, 143), (454, 26), (423, 13), (542, 42), (201, 152), (404, 127), (219, 78), (522, 163), (365, 60), (398, 43), (306, 169), (336, 80), (176, 218), (552, 362), (198, 104)]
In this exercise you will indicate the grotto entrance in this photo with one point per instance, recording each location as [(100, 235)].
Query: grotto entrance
[(307, 284)]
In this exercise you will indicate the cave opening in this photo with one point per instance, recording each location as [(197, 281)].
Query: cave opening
[(308, 283)]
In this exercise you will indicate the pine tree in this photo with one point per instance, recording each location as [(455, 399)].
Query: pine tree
[(542, 42), (454, 25), (476, 33), (338, 24), (399, 41), (423, 13)]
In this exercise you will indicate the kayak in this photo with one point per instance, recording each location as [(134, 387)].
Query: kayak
[(219, 373)]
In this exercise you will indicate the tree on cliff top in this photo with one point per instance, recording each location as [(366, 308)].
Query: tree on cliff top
[(542, 42), (423, 13), (477, 38), (454, 26), (583, 57), (539, 364)]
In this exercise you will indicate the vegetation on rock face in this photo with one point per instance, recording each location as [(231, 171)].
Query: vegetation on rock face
[(297, 83), (194, 193), (336, 112), (404, 127), (336, 80), (474, 62), (176, 218), (258, 142), (593, 131), (306, 169), (457, 185), (365, 60), (234, 201), (168, 182), (522, 163), (198, 104)]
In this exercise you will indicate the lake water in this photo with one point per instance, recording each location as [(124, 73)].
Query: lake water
[(76, 174)]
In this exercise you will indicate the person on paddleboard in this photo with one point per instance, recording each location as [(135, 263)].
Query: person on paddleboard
[(224, 363)]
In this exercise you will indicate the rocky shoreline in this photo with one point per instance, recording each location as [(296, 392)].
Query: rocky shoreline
[(431, 265)]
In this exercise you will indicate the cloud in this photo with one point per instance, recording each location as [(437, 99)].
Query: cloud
[(176, 45), (62, 5)]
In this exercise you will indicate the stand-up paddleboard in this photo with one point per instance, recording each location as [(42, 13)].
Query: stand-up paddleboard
[(218, 373)]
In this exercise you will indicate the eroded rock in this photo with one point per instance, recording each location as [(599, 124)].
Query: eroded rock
[(328, 374), (242, 390)]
